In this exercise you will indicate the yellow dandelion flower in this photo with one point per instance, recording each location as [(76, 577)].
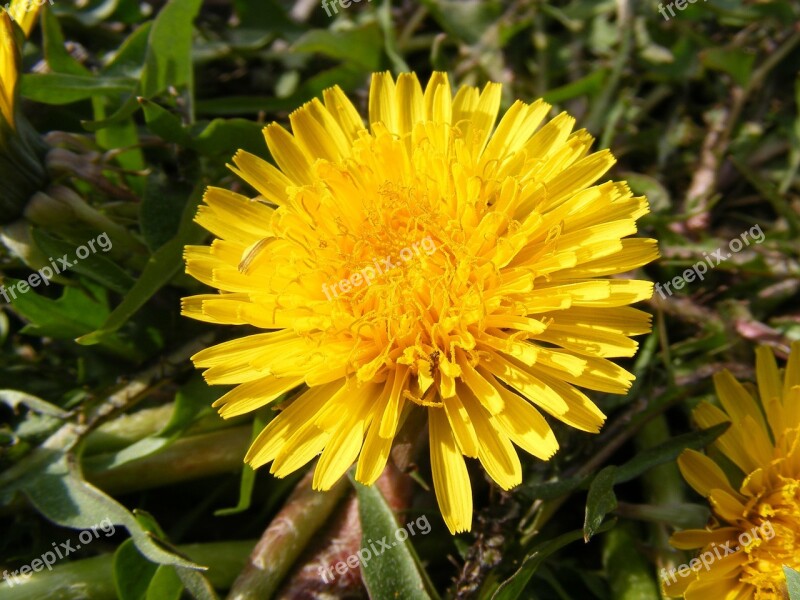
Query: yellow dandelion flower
[(21, 149), (755, 530), (25, 13), (9, 73), (430, 261)]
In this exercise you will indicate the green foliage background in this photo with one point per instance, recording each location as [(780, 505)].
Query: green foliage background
[(142, 104)]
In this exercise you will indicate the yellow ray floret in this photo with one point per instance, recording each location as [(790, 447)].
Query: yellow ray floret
[(432, 259), (9, 58), (755, 529)]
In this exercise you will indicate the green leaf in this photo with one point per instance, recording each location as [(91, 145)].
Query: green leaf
[(95, 266), (128, 60), (248, 477), (667, 452), (168, 61), (549, 490), (62, 88), (123, 133), (263, 15), (792, 583), (629, 573), (14, 398), (394, 572), (100, 11), (61, 495), (360, 46), (162, 208), (192, 399), (196, 583), (239, 105), (163, 123), (165, 585), (600, 501), (585, 86), (464, 19), (58, 59), (162, 266), (736, 62), (223, 137), (132, 572), (73, 314), (513, 587)]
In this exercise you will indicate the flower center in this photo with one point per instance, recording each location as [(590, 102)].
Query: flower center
[(775, 539)]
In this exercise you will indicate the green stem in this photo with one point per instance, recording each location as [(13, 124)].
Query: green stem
[(93, 578), (285, 539), (663, 486), (188, 458)]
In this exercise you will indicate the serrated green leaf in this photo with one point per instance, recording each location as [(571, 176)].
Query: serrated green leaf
[(73, 314)]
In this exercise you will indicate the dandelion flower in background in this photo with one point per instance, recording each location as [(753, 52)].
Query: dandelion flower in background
[(25, 13), (21, 149), (762, 518), (432, 262)]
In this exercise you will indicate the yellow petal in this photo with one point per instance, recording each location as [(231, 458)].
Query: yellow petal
[(702, 473), (9, 57), (382, 106), (25, 12), (525, 426), (495, 451), (450, 477), (341, 109)]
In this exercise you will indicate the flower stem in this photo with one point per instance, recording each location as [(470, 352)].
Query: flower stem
[(285, 539), (188, 458)]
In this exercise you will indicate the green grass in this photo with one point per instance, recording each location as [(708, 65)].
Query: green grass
[(108, 419)]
